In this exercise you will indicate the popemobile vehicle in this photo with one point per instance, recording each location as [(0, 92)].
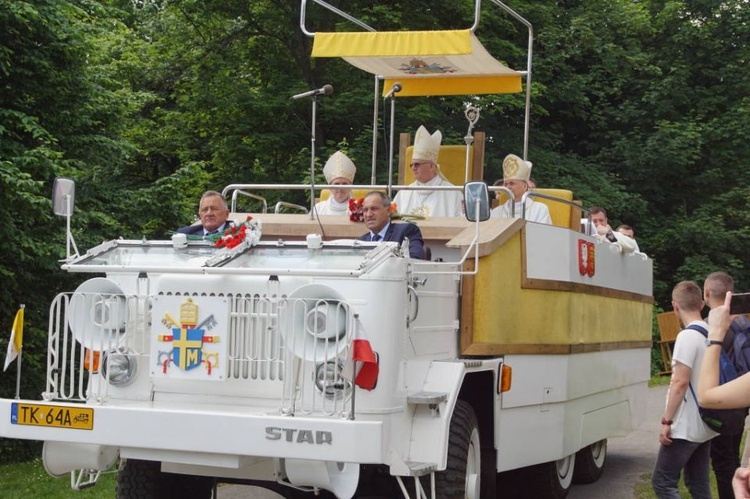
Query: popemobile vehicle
[(332, 366)]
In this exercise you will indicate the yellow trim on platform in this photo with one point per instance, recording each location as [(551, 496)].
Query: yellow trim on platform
[(507, 314), (392, 43)]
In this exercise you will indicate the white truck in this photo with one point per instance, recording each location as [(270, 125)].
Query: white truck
[(332, 366), (240, 367)]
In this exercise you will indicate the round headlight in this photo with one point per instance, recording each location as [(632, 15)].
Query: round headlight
[(119, 367), (328, 379)]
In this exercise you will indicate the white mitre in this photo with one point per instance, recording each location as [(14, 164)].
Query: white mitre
[(339, 166), (426, 146), (515, 168)]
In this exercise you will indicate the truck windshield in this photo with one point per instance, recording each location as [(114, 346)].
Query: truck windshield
[(134, 255), (299, 258)]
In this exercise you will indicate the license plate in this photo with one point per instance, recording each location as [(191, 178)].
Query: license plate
[(55, 416)]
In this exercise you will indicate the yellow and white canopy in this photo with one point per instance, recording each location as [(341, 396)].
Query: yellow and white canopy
[(450, 62)]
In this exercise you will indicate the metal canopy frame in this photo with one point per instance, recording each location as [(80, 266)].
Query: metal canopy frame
[(527, 73)]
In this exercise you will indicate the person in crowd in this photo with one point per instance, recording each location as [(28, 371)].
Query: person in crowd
[(600, 227), (684, 438), (516, 175), (424, 164), (725, 449), (627, 230), (377, 216), (730, 395), (338, 170), (213, 212)]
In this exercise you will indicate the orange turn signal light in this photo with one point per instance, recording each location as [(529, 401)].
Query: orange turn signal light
[(91, 360), (506, 377)]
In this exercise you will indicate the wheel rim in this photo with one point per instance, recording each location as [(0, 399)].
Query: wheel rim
[(473, 467), (599, 453), (565, 471)]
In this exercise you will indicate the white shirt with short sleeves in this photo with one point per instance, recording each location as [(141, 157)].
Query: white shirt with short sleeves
[(688, 350)]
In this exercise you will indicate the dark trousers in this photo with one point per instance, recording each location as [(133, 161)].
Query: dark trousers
[(725, 459), (682, 456)]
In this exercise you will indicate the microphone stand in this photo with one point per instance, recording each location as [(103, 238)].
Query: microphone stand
[(390, 147), (312, 155)]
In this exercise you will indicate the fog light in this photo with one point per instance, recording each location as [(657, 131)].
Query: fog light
[(328, 379), (119, 367)]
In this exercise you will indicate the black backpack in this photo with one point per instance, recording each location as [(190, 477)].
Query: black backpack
[(722, 421)]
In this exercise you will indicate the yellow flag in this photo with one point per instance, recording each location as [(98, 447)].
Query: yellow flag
[(16, 339)]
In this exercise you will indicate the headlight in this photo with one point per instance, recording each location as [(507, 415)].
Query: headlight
[(119, 367), (328, 379)]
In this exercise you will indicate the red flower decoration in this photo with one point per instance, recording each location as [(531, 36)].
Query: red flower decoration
[(355, 210), (234, 235)]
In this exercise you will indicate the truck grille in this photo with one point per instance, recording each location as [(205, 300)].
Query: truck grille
[(291, 350)]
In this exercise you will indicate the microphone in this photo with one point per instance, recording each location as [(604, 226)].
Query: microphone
[(324, 90), (396, 88)]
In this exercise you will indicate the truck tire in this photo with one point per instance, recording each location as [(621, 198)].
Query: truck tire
[(553, 480), (590, 462), (461, 478), (138, 479)]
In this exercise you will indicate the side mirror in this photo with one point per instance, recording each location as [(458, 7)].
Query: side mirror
[(473, 192), (63, 196)]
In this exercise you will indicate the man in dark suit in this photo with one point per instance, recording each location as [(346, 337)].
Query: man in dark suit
[(213, 212), (376, 211)]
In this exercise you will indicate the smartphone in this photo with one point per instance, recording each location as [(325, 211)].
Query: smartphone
[(740, 304)]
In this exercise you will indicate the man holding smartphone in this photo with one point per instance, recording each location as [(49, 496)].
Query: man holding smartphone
[(725, 449)]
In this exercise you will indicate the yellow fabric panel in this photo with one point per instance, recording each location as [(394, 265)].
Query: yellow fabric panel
[(559, 212), (392, 43), (504, 313), (452, 161), (455, 85)]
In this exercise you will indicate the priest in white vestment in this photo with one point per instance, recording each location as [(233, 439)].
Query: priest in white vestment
[(338, 170), (516, 175), (428, 203)]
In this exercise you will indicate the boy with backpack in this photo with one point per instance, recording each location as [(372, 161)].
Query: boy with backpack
[(684, 438)]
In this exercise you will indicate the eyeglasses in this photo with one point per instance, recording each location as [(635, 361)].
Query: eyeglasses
[(416, 164)]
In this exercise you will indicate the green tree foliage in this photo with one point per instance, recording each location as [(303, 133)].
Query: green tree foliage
[(642, 107)]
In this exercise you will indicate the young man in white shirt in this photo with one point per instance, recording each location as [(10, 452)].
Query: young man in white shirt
[(684, 438)]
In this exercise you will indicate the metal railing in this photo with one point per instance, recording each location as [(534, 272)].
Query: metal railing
[(294, 350)]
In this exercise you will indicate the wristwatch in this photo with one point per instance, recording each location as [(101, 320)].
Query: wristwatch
[(710, 342), (666, 421)]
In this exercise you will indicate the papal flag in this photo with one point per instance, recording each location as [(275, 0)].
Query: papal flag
[(16, 339)]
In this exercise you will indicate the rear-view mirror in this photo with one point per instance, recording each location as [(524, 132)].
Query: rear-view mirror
[(476, 201)]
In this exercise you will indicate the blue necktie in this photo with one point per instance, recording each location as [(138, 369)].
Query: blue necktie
[(375, 237)]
